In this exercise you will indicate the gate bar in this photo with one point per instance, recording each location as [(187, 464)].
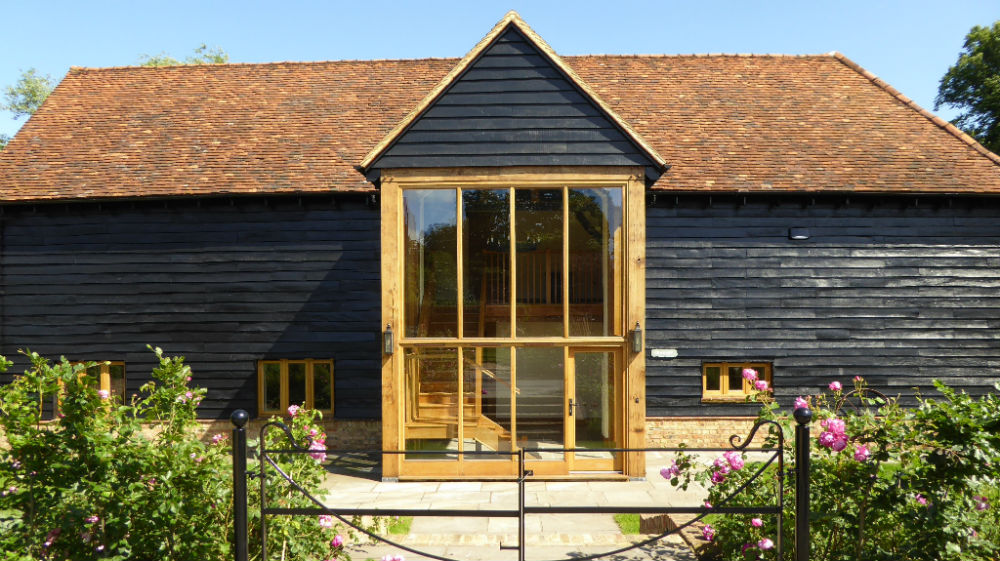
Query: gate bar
[(802, 417), (239, 419)]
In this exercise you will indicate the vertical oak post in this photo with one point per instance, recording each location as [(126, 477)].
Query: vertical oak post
[(239, 419), (802, 417)]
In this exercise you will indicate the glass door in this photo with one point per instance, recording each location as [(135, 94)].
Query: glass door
[(593, 409)]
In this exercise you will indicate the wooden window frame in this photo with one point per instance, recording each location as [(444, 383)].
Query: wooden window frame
[(392, 185), (310, 397), (104, 374), (765, 371)]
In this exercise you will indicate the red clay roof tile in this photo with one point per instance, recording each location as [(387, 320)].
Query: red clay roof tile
[(738, 123)]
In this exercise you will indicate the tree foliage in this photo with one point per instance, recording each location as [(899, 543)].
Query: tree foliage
[(26, 96), (973, 85), (202, 55)]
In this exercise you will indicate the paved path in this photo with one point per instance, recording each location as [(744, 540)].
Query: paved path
[(550, 536)]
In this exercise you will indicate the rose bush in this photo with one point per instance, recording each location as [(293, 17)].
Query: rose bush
[(887, 482), (112, 480)]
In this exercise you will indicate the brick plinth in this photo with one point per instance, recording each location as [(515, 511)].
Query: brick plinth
[(695, 432)]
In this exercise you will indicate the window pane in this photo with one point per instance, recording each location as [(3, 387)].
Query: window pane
[(595, 253), (540, 398), (486, 262), (487, 396), (735, 378), (431, 381), (322, 387), (712, 375), (272, 386), (594, 379), (117, 375), (430, 267), (539, 231), (296, 383), (94, 371)]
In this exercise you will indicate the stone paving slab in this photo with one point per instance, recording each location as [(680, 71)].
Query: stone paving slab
[(666, 550)]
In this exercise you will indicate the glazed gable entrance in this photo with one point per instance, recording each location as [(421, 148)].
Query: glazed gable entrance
[(508, 295)]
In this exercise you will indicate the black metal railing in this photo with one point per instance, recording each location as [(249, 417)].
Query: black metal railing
[(776, 456)]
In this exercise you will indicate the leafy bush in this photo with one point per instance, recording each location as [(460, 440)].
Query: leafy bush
[(887, 482), (109, 480)]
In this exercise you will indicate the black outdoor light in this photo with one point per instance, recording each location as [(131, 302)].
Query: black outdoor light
[(798, 233), (637, 339), (387, 340)]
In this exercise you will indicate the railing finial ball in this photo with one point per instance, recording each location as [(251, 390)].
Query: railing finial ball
[(803, 415), (239, 417)]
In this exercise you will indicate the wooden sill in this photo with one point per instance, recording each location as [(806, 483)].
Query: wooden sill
[(725, 399)]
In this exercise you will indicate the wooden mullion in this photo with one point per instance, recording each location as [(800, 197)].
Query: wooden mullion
[(460, 372), (459, 263), (511, 219), (310, 398)]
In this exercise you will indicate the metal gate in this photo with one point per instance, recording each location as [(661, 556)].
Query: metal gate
[(775, 456)]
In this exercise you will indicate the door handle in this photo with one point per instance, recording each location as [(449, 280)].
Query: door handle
[(571, 406)]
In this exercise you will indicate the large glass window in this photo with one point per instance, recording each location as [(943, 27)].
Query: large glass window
[(430, 270), (562, 276)]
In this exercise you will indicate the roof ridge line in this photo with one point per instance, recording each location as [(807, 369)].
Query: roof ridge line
[(269, 63), (941, 123)]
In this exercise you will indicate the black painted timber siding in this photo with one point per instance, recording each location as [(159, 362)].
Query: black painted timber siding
[(512, 107), (900, 291), (224, 283)]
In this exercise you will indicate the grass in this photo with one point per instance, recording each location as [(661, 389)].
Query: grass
[(628, 523), (401, 526)]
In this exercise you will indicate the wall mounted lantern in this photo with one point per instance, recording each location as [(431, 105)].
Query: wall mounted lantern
[(798, 233), (637, 339), (387, 342)]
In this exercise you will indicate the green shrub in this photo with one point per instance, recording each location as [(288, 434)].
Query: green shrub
[(110, 480), (887, 482)]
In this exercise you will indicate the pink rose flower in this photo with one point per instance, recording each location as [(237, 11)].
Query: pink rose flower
[(735, 460), (765, 544), (861, 453), (391, 557), (337, 541), (671, 471), (708, 504), (756, 522), (982, 503), (718, 477), (760, 385), (750, 374), (708, 532), (921, 499), (725, 469), (319, 450), (839, 443), (325, 521), (92, 519), (217, 438), (720, 461), (747, 546), (801, 403), (293, 410), (834, 425), (835, 386), (826, 439), (859, 379), (103, 394)]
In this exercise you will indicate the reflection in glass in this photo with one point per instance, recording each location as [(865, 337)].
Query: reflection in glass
[(486, 388), (595, 252), (486, 262), (432, 400), (430, 264), (735, 379), (712, 375), (272, 386), (297, 383), (116, 373), (538, 219), (593, 412), (540, 398), (322, 388)]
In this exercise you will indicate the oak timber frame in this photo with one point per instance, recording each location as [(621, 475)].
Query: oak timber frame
[(631, 401)]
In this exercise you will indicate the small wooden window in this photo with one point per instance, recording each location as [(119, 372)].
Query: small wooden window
[(723, 381), (110, 375), (307, 383)]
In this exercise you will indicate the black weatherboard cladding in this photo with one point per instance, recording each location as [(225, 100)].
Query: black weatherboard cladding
[(897, 290), (512, 107), (223, 283)]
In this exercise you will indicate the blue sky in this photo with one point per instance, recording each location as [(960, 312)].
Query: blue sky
[(908, 44)]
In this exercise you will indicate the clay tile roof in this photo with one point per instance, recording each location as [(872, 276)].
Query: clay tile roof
[(738, 123)]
